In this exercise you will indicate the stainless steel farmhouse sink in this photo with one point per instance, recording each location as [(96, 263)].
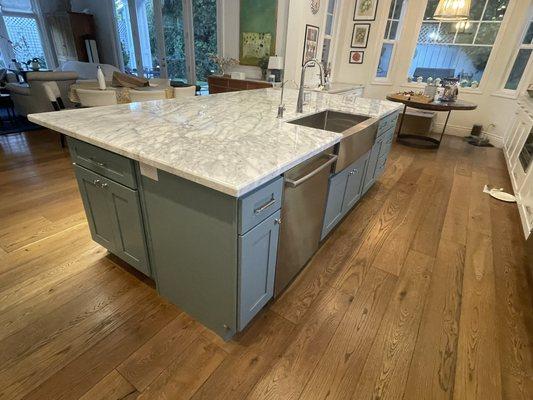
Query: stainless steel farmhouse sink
[(359, 133)]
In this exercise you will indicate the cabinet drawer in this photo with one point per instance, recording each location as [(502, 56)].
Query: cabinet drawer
[(258, 205), (387, 122), (257, 264), (111, 165)]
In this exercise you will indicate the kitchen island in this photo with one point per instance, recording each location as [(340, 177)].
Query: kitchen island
[(190, 191)]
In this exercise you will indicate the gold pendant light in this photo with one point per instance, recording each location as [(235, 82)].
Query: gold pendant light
[(452, 10)]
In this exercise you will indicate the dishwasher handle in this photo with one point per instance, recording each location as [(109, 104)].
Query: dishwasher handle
[(292, 183)]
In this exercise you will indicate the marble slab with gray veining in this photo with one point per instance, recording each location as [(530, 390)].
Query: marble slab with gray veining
[(230, 142)]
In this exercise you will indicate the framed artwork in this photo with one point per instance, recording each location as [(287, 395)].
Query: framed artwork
[(365, 10), (310, 43), (257, 36), (360, 35), (357, 56)]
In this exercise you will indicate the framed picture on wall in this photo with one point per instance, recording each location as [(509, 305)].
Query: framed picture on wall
[(360, 35), (357, 57), (310, 43), (365, 10)]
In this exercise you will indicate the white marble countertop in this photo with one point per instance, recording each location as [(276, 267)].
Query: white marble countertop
[(230, 142)]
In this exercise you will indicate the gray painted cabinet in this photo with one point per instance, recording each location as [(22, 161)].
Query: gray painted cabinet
[(257, 267), (354, 183), (370, 177), (114, 216), (333, 213), (345, 189)]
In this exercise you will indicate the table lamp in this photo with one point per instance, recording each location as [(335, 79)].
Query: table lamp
[(275, 65)]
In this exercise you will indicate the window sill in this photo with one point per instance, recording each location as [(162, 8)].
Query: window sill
[(505, 95), (381, 83)]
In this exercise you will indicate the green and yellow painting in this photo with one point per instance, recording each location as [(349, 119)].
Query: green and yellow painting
[(257, 30)]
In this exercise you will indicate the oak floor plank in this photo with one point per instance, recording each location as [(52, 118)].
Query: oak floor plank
[(428, 234), (255, 351), (390, 258), (185, 375), (31, 371), (432, 370), (153, 357), (112, 387), (21, 315), (457, 213), (100, 359), (375, 236), (385, 372), (288, 376), (43, 281), (477, 374), (342, 362)]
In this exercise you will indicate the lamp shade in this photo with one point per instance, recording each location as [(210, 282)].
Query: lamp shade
[(275, 62), (452, 10)]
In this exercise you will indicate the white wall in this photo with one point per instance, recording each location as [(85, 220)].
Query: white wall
[(105, 27), (492, 107), (300, 15)]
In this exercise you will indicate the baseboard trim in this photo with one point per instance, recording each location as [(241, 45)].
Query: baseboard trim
[(461, 131)]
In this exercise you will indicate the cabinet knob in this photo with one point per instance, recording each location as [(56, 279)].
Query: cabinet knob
[(96, 182), (351, 173), (277, 221), (104, 185)]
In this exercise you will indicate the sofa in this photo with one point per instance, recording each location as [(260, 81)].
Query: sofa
[(87, 71), (30, 97)]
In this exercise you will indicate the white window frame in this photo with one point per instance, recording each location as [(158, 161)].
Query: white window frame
[(35, 14), (490, 62), (387, 79), (334, 33), (521, 84)]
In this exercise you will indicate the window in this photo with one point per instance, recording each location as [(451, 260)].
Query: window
[(392, 34), (328, 33), (22, 29), (458, 49), (521, 59)]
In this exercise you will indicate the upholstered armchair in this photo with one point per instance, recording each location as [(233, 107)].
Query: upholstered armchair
[(30, 97)]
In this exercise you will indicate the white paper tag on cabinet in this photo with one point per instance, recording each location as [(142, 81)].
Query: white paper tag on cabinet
[(149, 171)]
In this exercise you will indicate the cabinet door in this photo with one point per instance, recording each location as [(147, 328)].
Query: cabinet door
[(333, 213), (114, 216), (97, 208), (257, 264), (130, 243), (369, 178), (354, 184)]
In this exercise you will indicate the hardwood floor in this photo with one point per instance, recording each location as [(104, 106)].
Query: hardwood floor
[(420, 293)]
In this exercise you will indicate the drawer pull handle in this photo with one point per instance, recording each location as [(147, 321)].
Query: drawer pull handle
[(265, 206), (99, 163)]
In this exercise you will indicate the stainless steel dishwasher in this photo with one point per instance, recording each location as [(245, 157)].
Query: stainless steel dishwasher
[(302, 215)]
